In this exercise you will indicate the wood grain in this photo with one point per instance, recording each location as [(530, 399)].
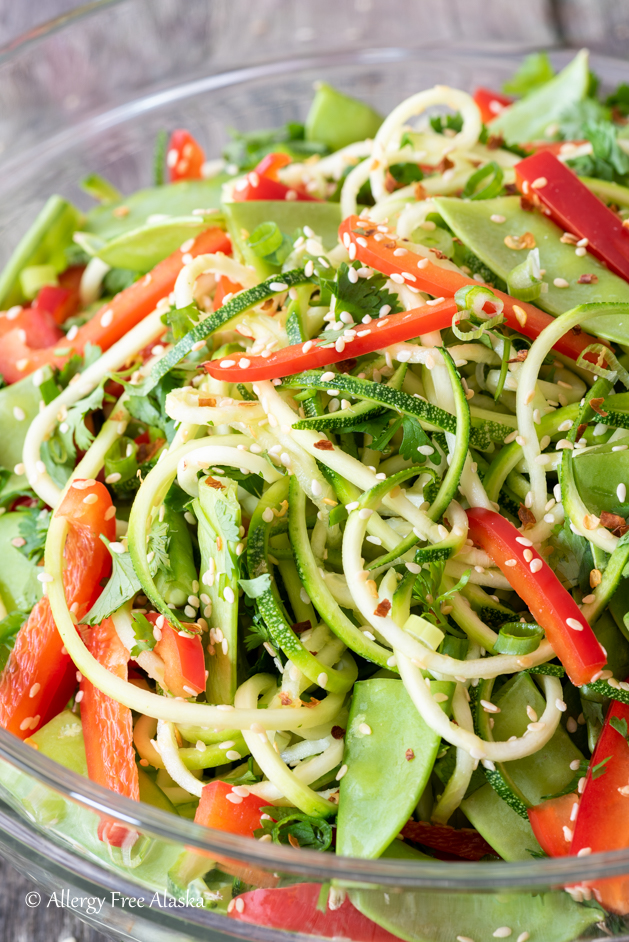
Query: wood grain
[(601, 24)]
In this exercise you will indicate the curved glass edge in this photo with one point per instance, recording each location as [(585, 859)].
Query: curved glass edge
[(425, 874), (534, 874)]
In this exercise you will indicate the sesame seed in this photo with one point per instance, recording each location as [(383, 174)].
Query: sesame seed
[(228, 594), (536, 565), (523, 937), (536, 727), (528, 555), (561, 283), (574, 624), (561, 706), (235, 799), (502, 933), (341, 772), (511, 562), (584, 852), (539, 183), (90, 499), (571, 725), (521, 315), (322, 679), (621, 493), (364, 729), (620, 447), (352, 251), (106, 318), (34, 690), (45, 577)]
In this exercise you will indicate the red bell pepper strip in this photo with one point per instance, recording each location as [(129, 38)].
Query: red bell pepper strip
[(39, 677), (183, 657), (216, 810), (603, 823), (224, 287), (36, 327), (378, 253), (382, 332), (294, 909), (460, 842), (575, 208), (113, 320), (263, 183), (62, 300), (108, 730), (184, 158), (552, 606), (490, 103), (552, 822)]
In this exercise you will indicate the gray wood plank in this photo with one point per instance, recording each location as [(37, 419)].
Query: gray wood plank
[(601, 25)]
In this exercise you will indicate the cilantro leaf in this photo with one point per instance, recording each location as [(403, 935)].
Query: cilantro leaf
[(574, 121), (181, 320), (608, 161), (9, 627), (601, 768), (536, 70), (33, 527), (380, 443), (366, 296), (123, 583), (227, 520), (150, 409), (244, 151), (414, 437), (619, 99), (143, 631), (254, 588), (620, 726)]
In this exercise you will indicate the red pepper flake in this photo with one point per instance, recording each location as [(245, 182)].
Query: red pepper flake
[(383, 608), (148, 450), (390, 183), (212, 482), (293, 841), (390, 245), (324, 445), (300, 626), (444, 164), (420, 192), (313, 702), (615, 523), (527, 517), (409, 755), (587, 279), (494, 141), (520, 356), (338, 732), (581, 430), (438, 253), (207, 401), (596, 405), (346, 366), (527, 204), (577, 330), (285, 698)]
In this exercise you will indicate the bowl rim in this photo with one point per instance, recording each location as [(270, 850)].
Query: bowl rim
[(404, 874)]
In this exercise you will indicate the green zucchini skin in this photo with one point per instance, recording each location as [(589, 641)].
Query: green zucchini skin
[(333, 615), (270, 606), (430, 416), (242, 302)]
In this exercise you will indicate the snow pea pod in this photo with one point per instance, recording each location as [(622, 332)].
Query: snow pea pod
[(19, 404), (426, 916), (177, 199), (323, 218), (598, 474), (338, 120), (143, 248), (528, 118), (472, 222), (388, 764), (43, 244), (19, 586)]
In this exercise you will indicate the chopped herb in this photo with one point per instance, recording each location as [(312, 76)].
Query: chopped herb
[(33, 527), (534, 71), (601, 768)]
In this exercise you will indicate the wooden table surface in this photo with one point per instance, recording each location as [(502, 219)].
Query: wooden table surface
[(602, 25)]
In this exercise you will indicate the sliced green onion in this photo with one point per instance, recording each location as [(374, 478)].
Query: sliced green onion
[(524, 282), (517, 637), (424, 631), (266, 239), (605, 355), (491, 189), (34, 277), (477, 332), (475, 297)]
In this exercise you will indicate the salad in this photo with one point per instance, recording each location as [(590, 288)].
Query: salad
[(314, 520)]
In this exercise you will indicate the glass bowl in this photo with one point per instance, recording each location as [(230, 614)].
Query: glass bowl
[(88, 93)]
